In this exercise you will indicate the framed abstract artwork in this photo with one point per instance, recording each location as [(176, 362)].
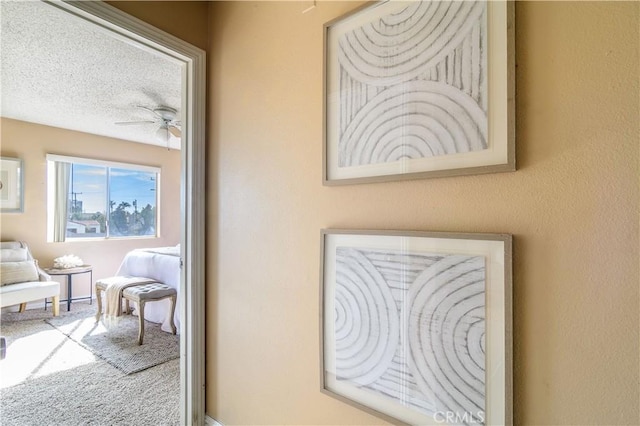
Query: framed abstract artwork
[(416, 327), (11, 185), (416, 89)]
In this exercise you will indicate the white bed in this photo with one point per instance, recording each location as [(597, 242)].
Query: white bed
[(161, 264)]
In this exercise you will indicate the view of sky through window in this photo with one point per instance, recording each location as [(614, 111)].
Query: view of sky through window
[(133, 186), (88, 188)]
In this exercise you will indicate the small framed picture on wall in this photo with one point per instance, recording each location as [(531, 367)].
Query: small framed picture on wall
[(11, 185)]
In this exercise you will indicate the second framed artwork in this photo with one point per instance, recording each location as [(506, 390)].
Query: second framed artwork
[(417, 89), (416, 327)]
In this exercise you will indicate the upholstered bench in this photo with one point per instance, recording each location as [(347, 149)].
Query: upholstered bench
[(153, 292), (139, 290), (117, 281)]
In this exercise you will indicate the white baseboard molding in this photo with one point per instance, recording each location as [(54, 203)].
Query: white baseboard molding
[(210, 421)]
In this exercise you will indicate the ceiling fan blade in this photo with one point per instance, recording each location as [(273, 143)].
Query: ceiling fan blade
[(175, 131), (150, 110), (131, 123)]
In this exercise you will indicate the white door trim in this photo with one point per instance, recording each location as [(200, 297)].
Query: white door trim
[(135, 31)]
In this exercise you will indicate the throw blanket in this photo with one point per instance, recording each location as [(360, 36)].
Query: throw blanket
[(113, 295)]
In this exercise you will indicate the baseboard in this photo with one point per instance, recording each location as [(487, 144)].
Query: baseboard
[(210, 421)]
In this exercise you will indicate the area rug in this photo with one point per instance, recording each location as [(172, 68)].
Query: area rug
[(119, 345)]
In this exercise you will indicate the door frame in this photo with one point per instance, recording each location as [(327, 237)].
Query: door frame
[(192, 204)]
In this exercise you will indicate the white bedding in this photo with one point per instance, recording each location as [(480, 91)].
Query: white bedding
[(161, 264)]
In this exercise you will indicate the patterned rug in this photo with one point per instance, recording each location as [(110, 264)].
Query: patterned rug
[(119, 345)]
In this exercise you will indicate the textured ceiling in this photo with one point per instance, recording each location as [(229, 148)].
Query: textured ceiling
[(60, 70)]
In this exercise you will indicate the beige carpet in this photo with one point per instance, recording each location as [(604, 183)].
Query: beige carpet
[(119, 345), (49, 379)]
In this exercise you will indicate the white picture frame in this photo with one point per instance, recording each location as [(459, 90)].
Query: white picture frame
[(416, 326), (407, 97), (11, 185)]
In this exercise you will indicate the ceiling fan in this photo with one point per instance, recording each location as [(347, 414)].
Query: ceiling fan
[(165, 117)]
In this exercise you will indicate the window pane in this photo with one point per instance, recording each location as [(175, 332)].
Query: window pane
[(86, 208), (132, 202)]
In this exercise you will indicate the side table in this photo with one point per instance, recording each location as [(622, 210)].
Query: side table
[(69, 273)]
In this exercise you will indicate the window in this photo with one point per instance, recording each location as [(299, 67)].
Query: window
[(98, 199)]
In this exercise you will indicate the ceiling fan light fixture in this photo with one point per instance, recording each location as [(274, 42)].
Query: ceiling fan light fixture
[(165, 117), (162, 134)]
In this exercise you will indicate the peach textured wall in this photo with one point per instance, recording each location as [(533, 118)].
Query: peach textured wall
[(187, 20), (572, 207), (32, 142)]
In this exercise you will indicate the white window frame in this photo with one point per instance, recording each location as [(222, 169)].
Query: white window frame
[(52, 158)]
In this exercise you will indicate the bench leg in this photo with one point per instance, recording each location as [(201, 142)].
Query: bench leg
[(141, 321), (23, 306), (55, 301), (99, 300), (172, 313)]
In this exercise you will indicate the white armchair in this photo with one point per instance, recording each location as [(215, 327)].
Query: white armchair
[(22, 280)]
